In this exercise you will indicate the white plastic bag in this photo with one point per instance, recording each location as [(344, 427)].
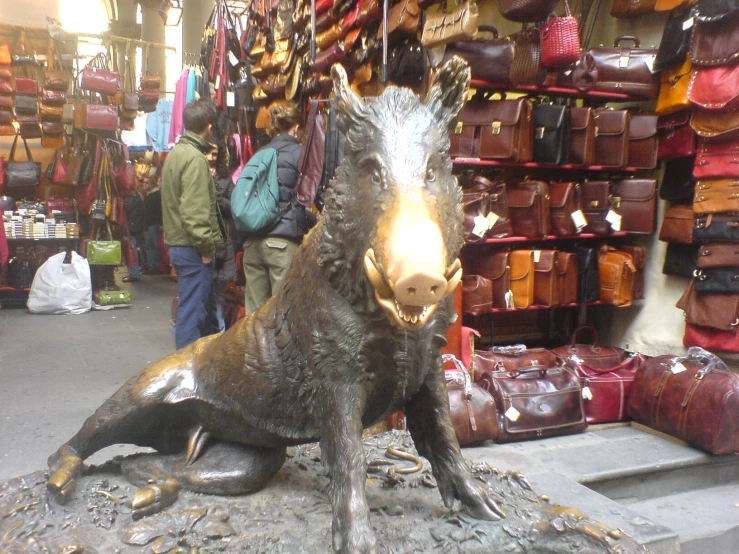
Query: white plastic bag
[(60, 288)]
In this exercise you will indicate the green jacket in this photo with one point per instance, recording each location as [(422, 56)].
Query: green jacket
[(189, 212)]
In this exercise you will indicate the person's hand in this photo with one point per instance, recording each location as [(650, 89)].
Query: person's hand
[(206, 259)]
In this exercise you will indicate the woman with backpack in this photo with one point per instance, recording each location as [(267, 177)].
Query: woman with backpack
[(267, 254)]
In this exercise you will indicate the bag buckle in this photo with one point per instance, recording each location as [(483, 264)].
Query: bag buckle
[(539, 133), (495, 127), (623, 60), (458, 128), (594, 203), (616, 201)]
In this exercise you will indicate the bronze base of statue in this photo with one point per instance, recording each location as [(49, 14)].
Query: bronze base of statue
[(292, 513)]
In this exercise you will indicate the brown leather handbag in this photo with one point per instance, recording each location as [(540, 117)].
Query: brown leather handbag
[(677, 225), (716, 254), (592, 353), (471, 409), (526, 68), (489, 59), (443, 27), (715, 42), (328, 37), (673, 89), (475, 205), (715, 126), (528, 204), (497, 206), (627, 9), (522, 278), (536, 402), (694, 398), (596, 202), (497, 268), (564, 202), (546, 290), (511, 358), (713, 310), (626, 70), (611, 137), (582, 136), (616, 274), (639, 255), (716, 196), (567, 279), (404, 18), (642, 141), (477, 295), (635, 200)]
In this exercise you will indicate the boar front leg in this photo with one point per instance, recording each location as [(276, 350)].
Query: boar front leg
[(341, 449), (427, 416)]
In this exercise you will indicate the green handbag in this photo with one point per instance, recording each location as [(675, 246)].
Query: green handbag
[(104, 252), (112, 297)]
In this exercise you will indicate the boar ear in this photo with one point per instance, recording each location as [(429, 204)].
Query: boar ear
[(351, 106), (448, 91)]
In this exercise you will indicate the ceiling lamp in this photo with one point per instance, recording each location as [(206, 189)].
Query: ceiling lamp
[(171, 12)]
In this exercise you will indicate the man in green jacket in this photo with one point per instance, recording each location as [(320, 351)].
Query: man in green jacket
[(190, 222)]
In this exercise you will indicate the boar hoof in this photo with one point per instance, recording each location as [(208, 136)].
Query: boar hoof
[(356, 542), (155, 498), (60, 485)]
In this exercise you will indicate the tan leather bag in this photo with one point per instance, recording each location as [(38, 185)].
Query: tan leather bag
[(522, 278), (444, 27), (716, 196), (616, 273), (673, 89), (626, 9), (672, 5), (639, 255), (404, 17), (546, 291), (677, 225), (718, 254), (715, 126)]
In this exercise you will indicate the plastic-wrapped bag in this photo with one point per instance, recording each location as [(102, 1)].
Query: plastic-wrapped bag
[(60, 288)]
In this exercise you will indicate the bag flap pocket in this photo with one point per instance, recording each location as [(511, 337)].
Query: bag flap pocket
[(547, 261), (485, 112), (595, 194), (495, 266), (680, 119), (521, 198), (635, 190), (522, 261), (611, 122), (642, 126), (581, 118), (559, 193), (549, 117), (565, 262)]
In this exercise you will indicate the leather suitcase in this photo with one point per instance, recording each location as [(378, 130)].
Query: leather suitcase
[(642, 141), (564, 201), (695, 398), (611, 138), (616, 275), (471, 409), (567, 278), (546, 291), (639, 255), (522, 278), (636, 201), (511, 358), (592, 353), (582, 136)]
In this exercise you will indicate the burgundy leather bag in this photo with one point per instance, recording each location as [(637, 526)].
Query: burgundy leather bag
[(100, 79), (511, 358), (477, 295), (312, 154), (676, 136), (611, 137), (716, 159), (626, 70), (712, 339), (592, 353), (496, 267), (497, 205), (694, 398), (102, 117), (582, 136), (635, 200), (715, 88), (564, 201), (528, 204), (489, 59), (642, 141)]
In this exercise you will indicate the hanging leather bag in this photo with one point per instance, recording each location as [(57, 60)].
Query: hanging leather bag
[(639, 255), (489, 59), (628, 9), (626, 70), (528, 205), (715, 42), (717, 127), (475, 206), (675, 43), (526, 68), (497, 205), (596, 202), (676, 137), (678, 184), (477, 295), (526, 10), (673, 89), (567, 278), (643, 148), (103, 117), (717, 280), (716, 227), (403, 18), (716, 196), (677, 224), (96, 77), (442, 27), (712, 339), (22, 174), (560, 40), (716, 254), (588, 285), (716, 159), (715, 88), (497, 268), (546, 289), (715, 311)]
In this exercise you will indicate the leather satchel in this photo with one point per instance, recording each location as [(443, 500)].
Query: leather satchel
[(716, 311), (475, 206), (639, 255), (497, 206), (715, 254), (716, 227), (536, 402), (102, 117), (715, 126), (528, 205), (677, 225), (715, 42), (596, 203), (678, 184), (552, 127), (713, 339), (716, 196), (592, 353), (511, 358), (22, 174), (716, 159), (715, 88), (53, 97), (628, 9), (626, 70), (444, 27), (676, 137), (635, 200), (546, 289), (564, 202), (496, 267), (471, 409), (611, 137), (567, 278), (477, 295), (522, 278), (489, 59), (694, 398), (717, 280), (673, 89), (588, 281), (100, 80), (404, 18), (675, 42), (582, 136), (642, 141), (616, 274)]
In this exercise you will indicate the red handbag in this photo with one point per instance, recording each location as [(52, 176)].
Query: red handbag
[(715, 88), (124, 173), (60, 204), (676, 136), (560, 40), (716, 159), (53, 97), (96, 77), (103, 117), (711, 339), (26, 86), (6, 87), (606, 390)]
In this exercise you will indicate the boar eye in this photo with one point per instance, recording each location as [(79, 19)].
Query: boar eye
[(430, 175), (376, 177)]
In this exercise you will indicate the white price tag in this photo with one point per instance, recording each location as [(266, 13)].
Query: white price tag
[(614, 219), (578, 218), (481, 226), (492, 218), (688, 23), (650, 64), (230, 99), (586, 394), (509, 299), (218, 82), (537, 256), (678, 368), (233, 59), (512, 413)]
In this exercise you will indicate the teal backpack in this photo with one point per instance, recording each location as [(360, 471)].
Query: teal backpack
[(255, 199)]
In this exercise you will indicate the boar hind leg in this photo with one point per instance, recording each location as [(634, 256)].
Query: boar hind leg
[(221, 468), (427, 415)]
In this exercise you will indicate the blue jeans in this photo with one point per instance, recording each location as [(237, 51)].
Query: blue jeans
[(153, 255), (196, 314), (134, 270)]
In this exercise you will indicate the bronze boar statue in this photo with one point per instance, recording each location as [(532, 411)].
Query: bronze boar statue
[(354, 335)]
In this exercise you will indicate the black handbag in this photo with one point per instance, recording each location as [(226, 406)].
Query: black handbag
[(26, 104), (7, 203), (587, 273), (32, 204), (680, 260), (405, 63), (678, 184), (675, 43), (552, 126), (22, 174), (717, 227), (723, 280)]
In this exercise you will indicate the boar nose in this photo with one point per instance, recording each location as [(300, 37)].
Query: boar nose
[(420, 288)]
